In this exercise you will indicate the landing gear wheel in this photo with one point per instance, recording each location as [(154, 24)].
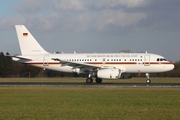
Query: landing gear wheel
[(98, 80), (148, 81), (89, 80)]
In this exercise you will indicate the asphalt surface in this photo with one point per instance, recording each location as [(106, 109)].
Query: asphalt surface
[(102, 85)]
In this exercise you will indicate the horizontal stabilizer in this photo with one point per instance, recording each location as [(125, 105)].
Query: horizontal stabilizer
[(22, 58)]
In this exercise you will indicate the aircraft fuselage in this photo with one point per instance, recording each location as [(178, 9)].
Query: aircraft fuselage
[(130, 62)]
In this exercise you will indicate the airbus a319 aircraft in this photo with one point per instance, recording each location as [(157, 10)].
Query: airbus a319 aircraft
[(98, 66)]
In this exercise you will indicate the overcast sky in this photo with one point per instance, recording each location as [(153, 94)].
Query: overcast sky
[(88, 26)]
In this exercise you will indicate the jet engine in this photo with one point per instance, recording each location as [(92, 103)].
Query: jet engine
[(76, 70), (112, 73)]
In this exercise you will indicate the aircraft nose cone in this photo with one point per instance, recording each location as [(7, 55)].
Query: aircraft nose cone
[(172, 66)]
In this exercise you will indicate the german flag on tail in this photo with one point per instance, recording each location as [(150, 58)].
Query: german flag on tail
[(25, 34)]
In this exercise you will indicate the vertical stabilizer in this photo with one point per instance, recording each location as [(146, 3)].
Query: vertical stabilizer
[(28, 44)]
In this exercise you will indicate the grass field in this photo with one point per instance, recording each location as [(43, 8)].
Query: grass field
[(82, 80), (74, 103)]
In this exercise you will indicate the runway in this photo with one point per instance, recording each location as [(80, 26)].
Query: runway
[(94, 85)]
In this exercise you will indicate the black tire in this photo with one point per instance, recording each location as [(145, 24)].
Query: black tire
[(89, 80), (98, 80), (148, 81)]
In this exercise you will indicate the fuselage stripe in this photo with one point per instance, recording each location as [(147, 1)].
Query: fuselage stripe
[(106, 63)]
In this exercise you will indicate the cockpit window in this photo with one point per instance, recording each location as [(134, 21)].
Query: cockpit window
[(164, 59), (161, 59)]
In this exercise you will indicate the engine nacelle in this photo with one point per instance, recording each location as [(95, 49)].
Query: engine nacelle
[(109, 73), (76, 70)]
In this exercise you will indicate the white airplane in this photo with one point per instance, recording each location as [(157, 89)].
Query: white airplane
[(101, 66)]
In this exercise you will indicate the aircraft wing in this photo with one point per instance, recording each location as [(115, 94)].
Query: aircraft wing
[(77, 64)]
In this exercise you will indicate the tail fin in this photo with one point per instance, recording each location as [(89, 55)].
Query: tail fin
[(27, 42)]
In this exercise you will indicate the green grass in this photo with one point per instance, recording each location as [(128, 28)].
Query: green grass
[(74, 103), (82, 80)]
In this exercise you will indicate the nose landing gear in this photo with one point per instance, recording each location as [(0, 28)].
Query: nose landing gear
[(148, 81)]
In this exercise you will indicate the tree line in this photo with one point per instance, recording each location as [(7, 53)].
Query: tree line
[(10, 68)]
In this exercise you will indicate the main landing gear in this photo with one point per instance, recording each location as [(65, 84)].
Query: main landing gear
[(98, 80), (90, 80), (148, 81)]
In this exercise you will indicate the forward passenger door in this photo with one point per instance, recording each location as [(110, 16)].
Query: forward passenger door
[(147, 60)]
